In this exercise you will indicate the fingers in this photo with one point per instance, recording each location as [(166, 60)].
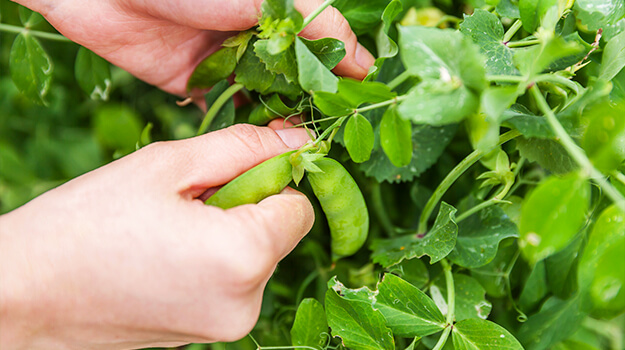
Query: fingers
[(279, 222), (215, 158), (331, 23)]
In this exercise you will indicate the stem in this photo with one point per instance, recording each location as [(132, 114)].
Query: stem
[(523, 43), (453, 175), (479, 207), (398, 80), (506, 78), (619, 176), (381, 104), (327, 131), (44, 35), (556, 79), (216, 106), (512, 30), (575, 152), (451, 305), (378, 204), (316, 13)]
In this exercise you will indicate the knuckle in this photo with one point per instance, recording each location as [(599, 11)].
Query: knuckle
[(250, 136)]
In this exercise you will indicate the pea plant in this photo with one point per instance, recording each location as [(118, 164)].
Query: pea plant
[(470, 191)]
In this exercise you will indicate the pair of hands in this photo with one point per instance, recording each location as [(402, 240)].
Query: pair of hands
[(128, 256)]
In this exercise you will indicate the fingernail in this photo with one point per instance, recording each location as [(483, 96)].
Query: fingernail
[(363, 57), (293, 138)]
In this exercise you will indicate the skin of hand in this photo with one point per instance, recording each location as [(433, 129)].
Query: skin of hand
[(128, 255), (162, 41)]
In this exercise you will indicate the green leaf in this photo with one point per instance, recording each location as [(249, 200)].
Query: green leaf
[(253, 73), (556, 321), (333, 104), (362, 16), (561, 269), (225, 116), (408, 311), (573, 345), (613, 59), (535, 288), (357, 323), (604, 139), (358, 92), (396, 137), (329, 51), (476, 334), (412, 271), (31, 67), (428, 143), (312, 74), (532, 11), (508, 8), (492, 275), (486, 30), (479, 236), (29, 18), (597, 14), (428, 103), (240, 42), (281, 86), (471, 299), (117, 127), (310, 327), (442, 55), (281, 63), (496, 99), (358, 138), (214, 68), (552, 214), (437, 243), (599, 275), (547, 153), (93, 74)]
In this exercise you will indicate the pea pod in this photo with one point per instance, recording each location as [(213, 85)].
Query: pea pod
[(266, 179), (344, 206)]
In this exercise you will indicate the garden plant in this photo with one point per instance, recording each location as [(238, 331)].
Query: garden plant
[(469, 192)]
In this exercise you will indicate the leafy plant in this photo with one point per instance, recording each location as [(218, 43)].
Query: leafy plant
[(505, 120)]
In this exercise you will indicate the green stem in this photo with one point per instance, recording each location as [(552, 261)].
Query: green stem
[(327, 131), (453, 175), (378, 205), (479, 207), (512, 30), (451, 305), (506, 78), (575, 152), (398, 80), (216, 106), (44, 35), (556, 79), (381, 104), (523, 43), (316, 13), (619, 176)]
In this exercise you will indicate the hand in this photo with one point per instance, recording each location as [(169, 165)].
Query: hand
[(126, 256), (161, 41)]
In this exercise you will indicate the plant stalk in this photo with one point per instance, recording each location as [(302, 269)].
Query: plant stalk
[(512, 30), (451, 305), (398, 80), (44, 35), (316, 13), (381, 104), (575, 151), (216, 106), (453, 175), (524, 43)]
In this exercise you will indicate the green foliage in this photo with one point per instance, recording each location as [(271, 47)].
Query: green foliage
[(509, 112)]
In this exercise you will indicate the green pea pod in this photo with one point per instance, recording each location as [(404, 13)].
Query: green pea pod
[(266, 179), (344, 206)]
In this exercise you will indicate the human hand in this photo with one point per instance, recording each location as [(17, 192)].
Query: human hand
[(162, 41), (127, 256)]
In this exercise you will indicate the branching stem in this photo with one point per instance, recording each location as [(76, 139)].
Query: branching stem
[(453, 175), (575, 151)]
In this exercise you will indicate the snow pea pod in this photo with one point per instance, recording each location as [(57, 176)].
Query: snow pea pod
[(266, 179), (344, 206)]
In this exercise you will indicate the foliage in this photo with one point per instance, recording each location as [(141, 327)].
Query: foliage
[(504, 117)]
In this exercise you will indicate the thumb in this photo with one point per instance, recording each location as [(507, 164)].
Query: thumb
[(331, 23), (216, 158), (279, 222)]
